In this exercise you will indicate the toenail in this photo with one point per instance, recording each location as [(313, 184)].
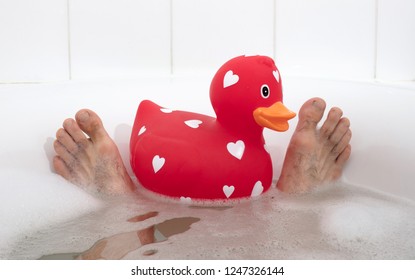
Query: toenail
[(83, 116), (318, 104), (60, 133), (67, 123), (337, 111)]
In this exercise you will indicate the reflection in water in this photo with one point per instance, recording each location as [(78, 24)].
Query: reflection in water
[(150, 252), (143, 217), (119, 245), (62, 256)]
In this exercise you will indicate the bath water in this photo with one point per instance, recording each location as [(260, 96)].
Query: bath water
[(336, 222), (43, 215)]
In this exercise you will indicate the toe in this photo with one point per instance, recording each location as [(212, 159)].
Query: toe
[(63, 153), (74, 130), (339, 131), (91, 124), (66, 140), (331, 122), (344, 155), (342, 144), (61, 168), (311, 113)]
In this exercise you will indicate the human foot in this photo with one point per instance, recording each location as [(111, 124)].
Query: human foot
[(316, 156), (92, 161)]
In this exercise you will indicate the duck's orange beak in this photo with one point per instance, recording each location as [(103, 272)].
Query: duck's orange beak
[(274, 117)]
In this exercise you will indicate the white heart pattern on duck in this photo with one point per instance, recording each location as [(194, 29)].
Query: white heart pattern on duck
[(193, 123), (276, 75), (158, 163), (258, 189), (230, 79), (236, 149), (228, 190), (142, 130), (166, 110), (185, 200)]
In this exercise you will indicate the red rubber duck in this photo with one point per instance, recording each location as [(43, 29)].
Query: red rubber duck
[(191, 156)]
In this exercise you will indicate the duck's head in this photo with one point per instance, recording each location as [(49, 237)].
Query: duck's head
[(246, 93)]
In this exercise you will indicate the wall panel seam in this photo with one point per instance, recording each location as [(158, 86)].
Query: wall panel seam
[(68, 12), (376, 43)]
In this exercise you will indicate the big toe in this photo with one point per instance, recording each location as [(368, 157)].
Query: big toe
[(311, 114), (91, 124)]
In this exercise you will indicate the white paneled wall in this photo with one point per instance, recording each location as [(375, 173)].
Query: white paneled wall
[(326, 38), (396, 40), (33, 40), (119, 38), (52, 40), (207, 33)]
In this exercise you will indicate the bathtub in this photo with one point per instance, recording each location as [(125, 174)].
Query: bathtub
[(368, 214)]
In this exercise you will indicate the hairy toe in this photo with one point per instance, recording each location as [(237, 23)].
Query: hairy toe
[(91, 124), (311, 113), (66, 140), (342, 144), (339, 131), (62, 152), (73, 130), (331, 122), (344, 155), (61, 168)]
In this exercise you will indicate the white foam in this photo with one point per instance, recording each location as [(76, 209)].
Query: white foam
[(343, 222), (381, 225), (41, 214), (362, 219), (31, 201)]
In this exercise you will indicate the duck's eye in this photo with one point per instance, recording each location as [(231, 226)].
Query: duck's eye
[(265, 91)]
